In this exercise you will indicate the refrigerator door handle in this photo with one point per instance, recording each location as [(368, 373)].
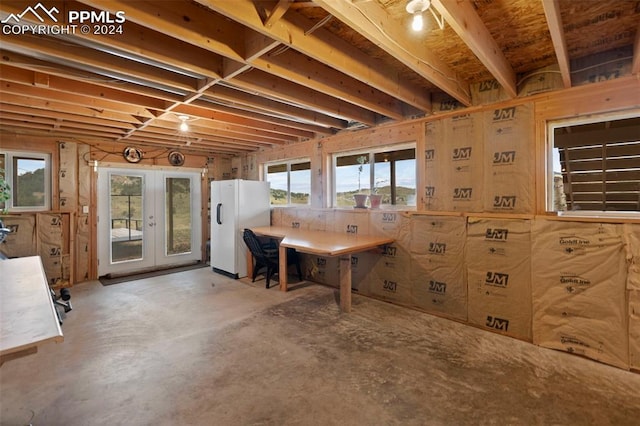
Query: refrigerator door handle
[(218, 213)]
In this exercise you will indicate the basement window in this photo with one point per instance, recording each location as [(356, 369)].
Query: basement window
[(595, 166), (290, 182), (390, 172), (28, 176)]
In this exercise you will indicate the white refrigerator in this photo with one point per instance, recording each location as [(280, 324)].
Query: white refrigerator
[(235, 204)]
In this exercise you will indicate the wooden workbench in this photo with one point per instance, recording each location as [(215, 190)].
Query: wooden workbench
[(322, 243), (28, 317)]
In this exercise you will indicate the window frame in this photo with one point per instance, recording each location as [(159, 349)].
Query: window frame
[(551, 126), (288, 163), (9, 157), (371, 153)]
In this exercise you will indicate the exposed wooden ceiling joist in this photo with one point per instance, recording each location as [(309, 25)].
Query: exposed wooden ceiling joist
[(552, 12), (470, 28), (375, 24), (324, 47)]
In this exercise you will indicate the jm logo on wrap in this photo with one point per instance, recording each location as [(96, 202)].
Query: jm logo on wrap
[(507, 202), (497, 323), (496, 234), (437, 287), (463, 153), (504, 158), (437, 248), (504, 114), (497, 279), (462, 194)]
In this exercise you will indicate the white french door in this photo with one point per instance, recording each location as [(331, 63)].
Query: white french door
[(147, 218)]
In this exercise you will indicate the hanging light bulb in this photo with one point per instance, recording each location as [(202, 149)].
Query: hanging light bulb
[(184, 126), (417, 23), (415, 8)]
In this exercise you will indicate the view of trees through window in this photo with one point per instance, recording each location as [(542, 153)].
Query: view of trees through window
[(26, 176)]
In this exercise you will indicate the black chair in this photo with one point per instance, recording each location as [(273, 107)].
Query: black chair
[(265, 256)]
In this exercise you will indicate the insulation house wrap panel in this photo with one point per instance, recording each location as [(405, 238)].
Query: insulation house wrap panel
[(317, 219), (437, 181), (508, 140), (634, 329), (361, 266), (579, 275), (631, 232), (53, 243), (438, 282), (68, 175), (389, 277), (321, 269), (21, 242), (289, 216), (464, 158), (350, 222), (498, 265)]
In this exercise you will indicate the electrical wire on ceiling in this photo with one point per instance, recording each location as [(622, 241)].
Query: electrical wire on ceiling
[(418, 59)]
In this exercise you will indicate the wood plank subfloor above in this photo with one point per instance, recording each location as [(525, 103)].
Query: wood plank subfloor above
[(197, 348)]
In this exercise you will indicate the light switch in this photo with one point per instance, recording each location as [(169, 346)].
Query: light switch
[(85, 209)]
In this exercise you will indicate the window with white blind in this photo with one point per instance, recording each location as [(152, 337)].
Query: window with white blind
[(595, 166)]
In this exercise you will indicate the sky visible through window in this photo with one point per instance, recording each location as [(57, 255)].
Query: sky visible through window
[(348, 178), (29, 166)]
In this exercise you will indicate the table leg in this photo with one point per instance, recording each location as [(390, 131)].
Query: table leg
[(282, 268), (345, 283), (249, 264)]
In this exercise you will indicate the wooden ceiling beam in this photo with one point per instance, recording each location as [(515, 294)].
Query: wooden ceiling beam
[(154, 142), (250, 102), (184, 21), (554, 22), (110, 66), (294, 67), (464, 20), (190, 137), (261, 82), (58, 122), (326, 48), (116, 119), (278, 11), (206, 129), (286, 126), (75, 87), (59, 115), (73, 99), (83, 77), (240, 123)]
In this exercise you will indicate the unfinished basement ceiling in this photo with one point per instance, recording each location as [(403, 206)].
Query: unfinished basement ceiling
[(250, 74)]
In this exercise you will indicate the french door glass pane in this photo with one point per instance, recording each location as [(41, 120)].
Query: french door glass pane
[(178, 215), (126, 217)]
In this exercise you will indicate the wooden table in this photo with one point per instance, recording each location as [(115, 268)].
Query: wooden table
[(27, 315), (324, 244)]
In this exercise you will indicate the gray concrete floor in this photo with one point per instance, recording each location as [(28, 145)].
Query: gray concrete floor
[(196, 348)]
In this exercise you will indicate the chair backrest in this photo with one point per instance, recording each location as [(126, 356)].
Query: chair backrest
[(252, 242)]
